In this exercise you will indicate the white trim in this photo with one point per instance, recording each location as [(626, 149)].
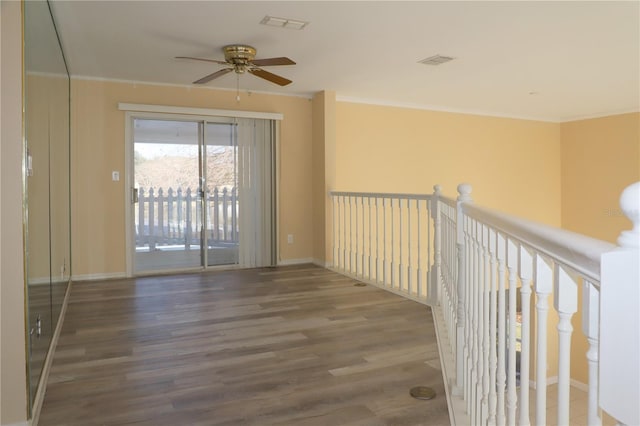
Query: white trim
[(99, 277), (550, 381), (47, 280), (600, 115), (193, 270), (276, 174), (321, 263), (39, 281), (166, 109), (128, 188), (436, 108), (25, 423), (46, 74), (357, 100), (289, 262), (579, 385), (554, 380), (302, 95)]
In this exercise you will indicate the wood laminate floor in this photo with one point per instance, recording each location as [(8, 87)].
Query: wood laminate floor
[(280, 346)]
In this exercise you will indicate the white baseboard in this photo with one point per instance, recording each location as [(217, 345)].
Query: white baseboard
[(25, 423), (97, 277), (550, 381), (579, 385), (39, 281), (322, 263), (120, 275), (312, 260), (289, 262), (47, 280)]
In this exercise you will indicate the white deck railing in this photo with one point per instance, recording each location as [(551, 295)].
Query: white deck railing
[(173, 217), (478, 269)]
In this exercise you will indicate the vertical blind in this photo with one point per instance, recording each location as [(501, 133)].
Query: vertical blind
[(256, 191)]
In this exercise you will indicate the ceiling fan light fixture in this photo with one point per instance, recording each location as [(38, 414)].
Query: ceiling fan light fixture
[(292, 24)]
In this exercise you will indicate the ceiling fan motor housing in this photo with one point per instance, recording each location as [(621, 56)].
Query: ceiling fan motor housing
[(239, 54)]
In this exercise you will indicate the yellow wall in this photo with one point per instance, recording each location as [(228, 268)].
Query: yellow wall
[(98, 147), (13, 390), (330, 172), (513, 165), (37, 135), (324, 170), (318, 185), (600, 157), (47, 135)]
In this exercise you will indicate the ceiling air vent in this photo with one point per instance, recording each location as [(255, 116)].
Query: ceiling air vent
[(436, 60), (292, 24)]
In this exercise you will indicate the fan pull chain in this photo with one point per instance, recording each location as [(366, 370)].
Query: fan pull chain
[(237, 87)]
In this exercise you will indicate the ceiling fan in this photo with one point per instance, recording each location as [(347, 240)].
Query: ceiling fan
[(241, 59)]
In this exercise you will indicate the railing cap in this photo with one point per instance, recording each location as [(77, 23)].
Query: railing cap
[(464, 191), (630, 205), (437, 189)]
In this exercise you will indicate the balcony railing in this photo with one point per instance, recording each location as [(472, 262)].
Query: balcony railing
[(481, 271), (174, 217)]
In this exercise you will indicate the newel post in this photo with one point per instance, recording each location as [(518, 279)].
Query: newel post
[(435, 280), (464, 196), (620, 319)]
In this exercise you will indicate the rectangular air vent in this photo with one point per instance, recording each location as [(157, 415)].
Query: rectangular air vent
[(436, 60), (292, 24)]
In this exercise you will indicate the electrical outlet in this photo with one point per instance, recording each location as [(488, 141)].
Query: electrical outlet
[(290, 239)]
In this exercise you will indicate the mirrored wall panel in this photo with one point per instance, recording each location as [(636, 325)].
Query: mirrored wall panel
[(47, 197)]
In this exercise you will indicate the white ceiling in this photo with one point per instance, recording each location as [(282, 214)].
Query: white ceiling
[(553, 61)]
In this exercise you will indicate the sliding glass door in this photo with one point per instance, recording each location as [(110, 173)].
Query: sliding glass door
[(167, 218), (222, 205), (203, 193)]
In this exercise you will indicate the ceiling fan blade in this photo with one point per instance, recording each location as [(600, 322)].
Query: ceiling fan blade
[(203, 59), (270, 76), (272, 61), (210, 77)]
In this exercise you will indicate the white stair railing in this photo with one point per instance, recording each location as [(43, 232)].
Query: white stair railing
[(385, 240), (489, 277)]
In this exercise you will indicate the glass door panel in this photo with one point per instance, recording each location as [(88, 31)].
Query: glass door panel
[(222, 206), (168, 211)]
